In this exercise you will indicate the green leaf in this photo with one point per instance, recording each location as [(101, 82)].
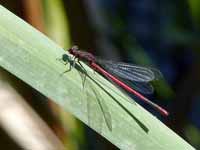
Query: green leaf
[(32, 57)]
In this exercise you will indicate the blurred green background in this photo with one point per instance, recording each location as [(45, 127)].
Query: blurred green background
[(163, 34)]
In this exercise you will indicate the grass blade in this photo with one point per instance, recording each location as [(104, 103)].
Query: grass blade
[(31, 56)]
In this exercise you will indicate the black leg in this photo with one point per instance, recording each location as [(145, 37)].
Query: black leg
[(70, 68)]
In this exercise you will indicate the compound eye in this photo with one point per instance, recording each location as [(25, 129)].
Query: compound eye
[(65, 57)]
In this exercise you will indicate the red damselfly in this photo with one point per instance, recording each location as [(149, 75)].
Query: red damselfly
[(140, 76)]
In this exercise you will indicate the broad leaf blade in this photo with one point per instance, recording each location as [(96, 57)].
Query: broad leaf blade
[(31, 56)]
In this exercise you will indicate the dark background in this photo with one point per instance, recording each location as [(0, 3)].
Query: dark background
[(163, 34)]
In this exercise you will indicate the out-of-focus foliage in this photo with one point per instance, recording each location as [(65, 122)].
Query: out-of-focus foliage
[(56, 26), (164, 34), (195, 12), (192, 133), (56, 23)]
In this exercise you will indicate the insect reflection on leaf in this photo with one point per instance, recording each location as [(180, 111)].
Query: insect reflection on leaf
[(84, 75), (96, 106)]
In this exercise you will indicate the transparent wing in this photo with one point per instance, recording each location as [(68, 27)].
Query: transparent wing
[(95, 117), (106, 113), (142, 87), (97, 110), (131, 72)]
